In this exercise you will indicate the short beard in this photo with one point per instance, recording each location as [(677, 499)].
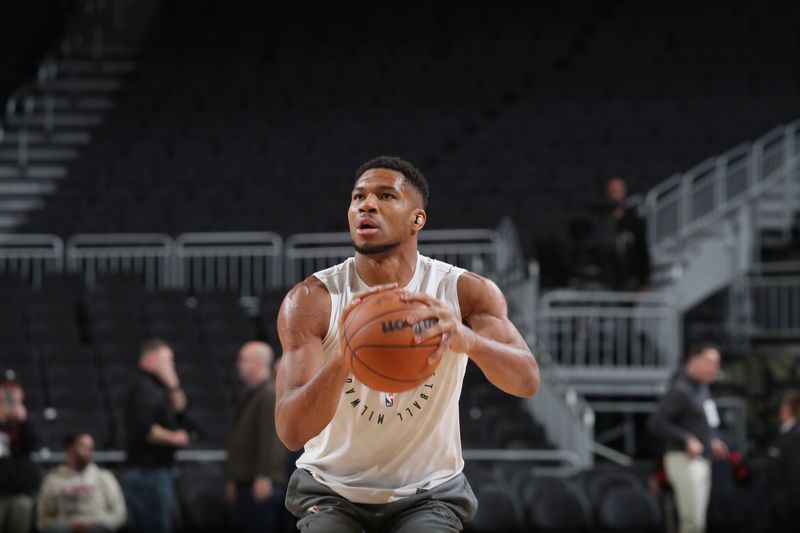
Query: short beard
[(373, 250)]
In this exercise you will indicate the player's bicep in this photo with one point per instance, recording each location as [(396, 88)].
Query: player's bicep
[(302, 324), (485, 311)]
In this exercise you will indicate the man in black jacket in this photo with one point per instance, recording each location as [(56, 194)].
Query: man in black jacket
[(783, 468), (686, 420), (154, 420), (18, 475), (628, 261)]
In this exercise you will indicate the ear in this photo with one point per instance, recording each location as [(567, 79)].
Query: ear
[(420, 217)]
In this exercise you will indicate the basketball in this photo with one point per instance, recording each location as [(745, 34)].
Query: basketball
[(379, 346)]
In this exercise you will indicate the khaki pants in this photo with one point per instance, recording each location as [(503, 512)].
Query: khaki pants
[(691, 483), (16, 513)]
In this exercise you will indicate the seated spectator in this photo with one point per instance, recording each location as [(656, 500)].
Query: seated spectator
[(18, 474), (79, 495)]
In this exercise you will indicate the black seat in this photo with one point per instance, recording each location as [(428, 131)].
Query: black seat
[(201, 497), (496, 511), (557, 505), (629, 509)]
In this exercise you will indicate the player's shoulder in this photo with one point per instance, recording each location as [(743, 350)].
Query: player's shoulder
[(306, 307), (310, 291), (477, 293)]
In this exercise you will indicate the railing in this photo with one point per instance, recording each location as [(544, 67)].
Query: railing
[(248, 262), (599, 337), (688, 204), (567, 418), (31, 256), (474, 249), (149, 256), (772, 302)]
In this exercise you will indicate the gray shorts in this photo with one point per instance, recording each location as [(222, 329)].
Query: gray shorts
[(442, 509)]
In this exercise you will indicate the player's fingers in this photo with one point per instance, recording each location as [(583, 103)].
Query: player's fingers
[(422, 336), (435, 356), (408, 296), (431, 312)]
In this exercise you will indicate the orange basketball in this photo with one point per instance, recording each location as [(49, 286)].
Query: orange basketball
[(378, 344)]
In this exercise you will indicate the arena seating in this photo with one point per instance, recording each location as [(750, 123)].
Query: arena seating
[(230, 126)]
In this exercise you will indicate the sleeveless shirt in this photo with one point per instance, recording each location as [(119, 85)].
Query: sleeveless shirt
[(381, 447)]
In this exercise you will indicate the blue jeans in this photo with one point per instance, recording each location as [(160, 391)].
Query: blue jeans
[(149, 495), (259, 517)]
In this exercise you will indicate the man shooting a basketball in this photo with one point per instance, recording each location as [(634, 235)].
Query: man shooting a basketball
[(377, 461)]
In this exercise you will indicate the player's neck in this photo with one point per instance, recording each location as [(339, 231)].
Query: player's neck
[(394, 266)]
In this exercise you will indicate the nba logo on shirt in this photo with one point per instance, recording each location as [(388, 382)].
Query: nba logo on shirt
[(388, 398)]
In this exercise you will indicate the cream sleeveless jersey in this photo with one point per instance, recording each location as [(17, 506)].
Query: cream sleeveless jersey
[(382, 447)]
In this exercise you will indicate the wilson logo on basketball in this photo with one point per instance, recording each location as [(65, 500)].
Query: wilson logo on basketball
[(388, 326)]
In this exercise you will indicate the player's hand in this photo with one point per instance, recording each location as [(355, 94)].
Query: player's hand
[(357, 298), (455, 335), (719, 449), (694, 448), (262, 489)]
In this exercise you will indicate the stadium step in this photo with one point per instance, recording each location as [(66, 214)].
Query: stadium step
[(77, 103), (39, 154), (41, 137), (89, 85), (59, 120), (21, 204), (41, 171), (10, 221), (21, 187), (86, 66)]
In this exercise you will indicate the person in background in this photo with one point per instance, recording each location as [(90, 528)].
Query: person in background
[(256, 458), (79, 496), (154, 419), (628, 265), (18, 475), (783, 467), (686, 420)]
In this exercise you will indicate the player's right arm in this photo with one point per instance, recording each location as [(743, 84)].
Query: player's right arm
[(308, 385)]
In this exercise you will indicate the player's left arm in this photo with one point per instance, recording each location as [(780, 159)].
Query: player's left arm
[(484, 333)]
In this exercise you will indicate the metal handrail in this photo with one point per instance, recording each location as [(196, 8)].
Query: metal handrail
[(765, 162)]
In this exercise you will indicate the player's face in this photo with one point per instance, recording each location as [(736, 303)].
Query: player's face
[(382, 211)]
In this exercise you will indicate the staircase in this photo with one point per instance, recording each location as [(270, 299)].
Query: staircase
[(706, 226), (48, 121), (46, 125)]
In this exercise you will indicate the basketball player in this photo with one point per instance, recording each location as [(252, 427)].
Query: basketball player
[(374, 461)]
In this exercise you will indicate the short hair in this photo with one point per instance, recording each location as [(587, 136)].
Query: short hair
[(792, 400), (71, 438), (411, 173), (152, 345), (697, 349)]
